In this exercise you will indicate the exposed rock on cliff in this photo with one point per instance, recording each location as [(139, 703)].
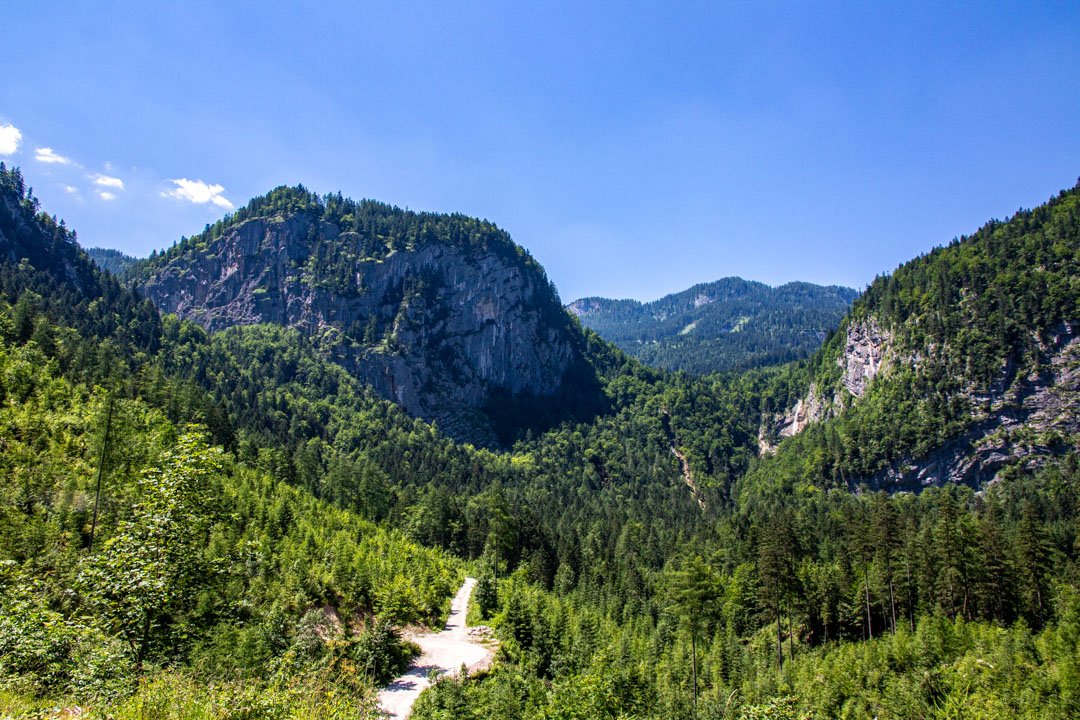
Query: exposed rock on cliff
[(867, 353), (1025, 420), (438, 326), (810, 409), (1017, 420), (864, 355)]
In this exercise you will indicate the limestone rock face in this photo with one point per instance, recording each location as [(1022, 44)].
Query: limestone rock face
[(436, 329), (1029, 419), (867, 353), (864, 355)]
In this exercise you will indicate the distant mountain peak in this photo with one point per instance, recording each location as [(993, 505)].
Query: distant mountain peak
[(726, 324)]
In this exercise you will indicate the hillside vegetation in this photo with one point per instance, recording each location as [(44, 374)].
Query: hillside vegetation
[(257, 564)]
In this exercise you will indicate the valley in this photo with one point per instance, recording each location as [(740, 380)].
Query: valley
[(298, 432)]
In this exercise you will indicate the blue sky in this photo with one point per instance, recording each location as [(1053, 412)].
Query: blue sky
[(634, 148)]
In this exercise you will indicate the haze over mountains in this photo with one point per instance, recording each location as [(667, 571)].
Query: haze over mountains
[(114, 261), (727, 324), (276, 409)]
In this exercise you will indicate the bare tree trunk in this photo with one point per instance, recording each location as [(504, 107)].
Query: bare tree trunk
[(693, 663), (790, 638), (952, 597), (892, 598), (145, 643), (910, 600), (866, 585), (101, 466), (779, 640)]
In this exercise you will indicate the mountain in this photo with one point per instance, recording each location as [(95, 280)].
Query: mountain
[(110, 260), (443, 314), (956, 368), (40, 245), (267, 520), (728, 324)]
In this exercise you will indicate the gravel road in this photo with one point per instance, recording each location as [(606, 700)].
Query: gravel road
[(443, 651)]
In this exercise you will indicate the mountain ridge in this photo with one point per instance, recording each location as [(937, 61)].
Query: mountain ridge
[(726, 324), (955, 368)]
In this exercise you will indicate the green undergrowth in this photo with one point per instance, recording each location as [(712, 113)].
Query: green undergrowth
[(208, 588), (558, 659), (186, 696)]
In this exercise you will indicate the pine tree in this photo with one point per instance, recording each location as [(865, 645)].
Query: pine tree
[(885, 532), (776, 572), (1033, 555), (693, 597)]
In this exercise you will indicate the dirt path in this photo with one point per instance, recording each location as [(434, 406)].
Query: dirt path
[(444, 651), (687, 475)]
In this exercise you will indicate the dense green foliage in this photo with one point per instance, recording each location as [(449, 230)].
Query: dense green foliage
[(317, 516), (198, 559), (905, 607), (945, 604), (729, 324)]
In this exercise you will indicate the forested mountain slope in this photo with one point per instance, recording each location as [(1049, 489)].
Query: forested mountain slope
[(961, 362), (270, 396), (728, 324), (133, 548), (806, 599), (443, 314), (114, 261), (614, 584)]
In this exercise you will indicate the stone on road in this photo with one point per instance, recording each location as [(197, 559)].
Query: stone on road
[(444, 652)]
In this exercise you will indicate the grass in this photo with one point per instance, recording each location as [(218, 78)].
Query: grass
[(182, 696)]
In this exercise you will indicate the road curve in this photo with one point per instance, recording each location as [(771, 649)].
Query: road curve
[(444, 651)]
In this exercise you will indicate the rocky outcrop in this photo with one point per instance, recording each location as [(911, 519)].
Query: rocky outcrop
[(1018, 420), (867, 352), (1026, 421), (684, 464), (811, 409), (864, 355), (435, 329)]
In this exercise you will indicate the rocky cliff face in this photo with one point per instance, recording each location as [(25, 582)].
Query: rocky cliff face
[(864, 355), (437, 328), (867, 353), (774, 428), (1024, 420), (1018, 420)]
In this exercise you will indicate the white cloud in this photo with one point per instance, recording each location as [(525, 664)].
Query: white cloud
[(72, 189), (105, 195), (106, 181), (198, 192), (46, 155), (9, 139)]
